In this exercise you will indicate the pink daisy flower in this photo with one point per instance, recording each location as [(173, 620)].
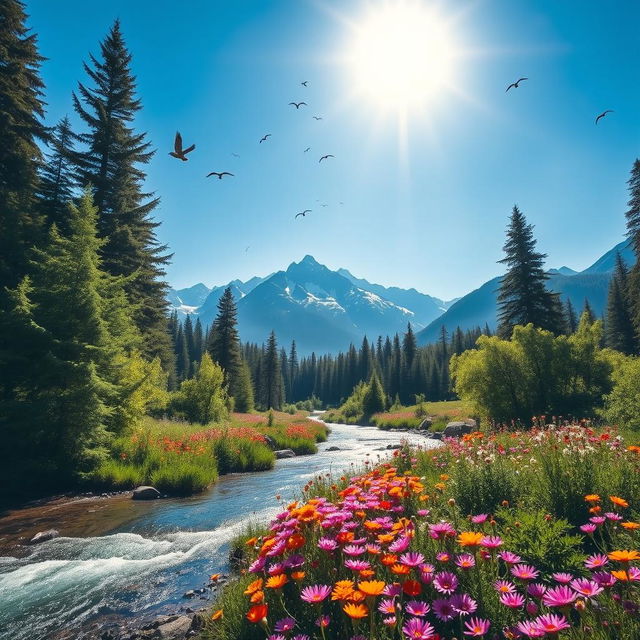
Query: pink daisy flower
[(463, 604), (586, 587), (443, 609), (412, 559), (400, 545), (530, 629), (443, 556), (562, 578), (284, 625), (536, 590), (604, 579), (354, 550), (525, 572), (445, 582), (392, 590), (389, 621), (441, 530), (509, 557), (476, 627), (504, 586), (551, 623), (465, 561), (417, 629), (315, 593), (596, 560), (327, 544), (588, 528), (480, 518), (491, 542), (387, 605), (357, 565), (417, 608), (559, 596), (512, 600)]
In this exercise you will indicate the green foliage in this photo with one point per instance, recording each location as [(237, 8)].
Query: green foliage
[(622, 405), (535, 373), (183, 478), (374, 398), (242, 455), (203, 398), (542, 540)]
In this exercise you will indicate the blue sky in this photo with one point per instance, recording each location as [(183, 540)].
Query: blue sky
[(430, 214)]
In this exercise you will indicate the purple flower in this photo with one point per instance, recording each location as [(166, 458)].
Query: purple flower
[(323, 621), (480, 518), (417, 629), (284, 625), (597, 519), (445, 582), (443, 609), (465, 561), (596, 560), (604, 578), (354, 550), (257, 565), (613, 516), (389, 620), (491, 542), (441, 530), (551, 623), (357, 565), (315, 593), (536, 590), (412, 559), (275, 569), (504, 586), (400, 545), (417, 608), (387, 605), (588, 528), (509, 557), (463, 604), (562, 578), (476, 627), (530, 629), (392, 590), (586, 587), (443, 556)]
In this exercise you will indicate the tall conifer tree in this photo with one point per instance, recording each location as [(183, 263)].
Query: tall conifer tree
[(620, 334)]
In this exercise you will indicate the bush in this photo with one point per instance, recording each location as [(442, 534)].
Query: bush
[(184, 478), (622, 405), (242, 455)]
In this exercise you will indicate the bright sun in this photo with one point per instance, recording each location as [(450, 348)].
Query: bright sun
[(402, 55)]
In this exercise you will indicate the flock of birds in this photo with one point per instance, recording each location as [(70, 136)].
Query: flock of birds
[(181, 154)]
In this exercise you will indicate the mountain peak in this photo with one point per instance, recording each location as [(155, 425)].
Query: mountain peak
[(309, 260)]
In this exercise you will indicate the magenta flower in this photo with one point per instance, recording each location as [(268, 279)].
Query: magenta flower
[(531, 608), (634, 574), (615, 517), (275, 569), (476, 627), (323, 621), (465, 561), (480, 518), (504, 586), (400, 545), (443, 556), (551, 623), (443, 609), (509, 557), (586, 587), (354, 550), (389, 621), (596, 560), (392, 590), (387, 605), (441, 530), (276, 636), (445, 582), (512, 600), (412, 559), (357, 565), (604, 579), (536, 590), (597, 519), (530, 629), (562, 578), (258, 565), (315, 593), (559, 596), (525, 572), (463, 604), (588, 528), (491, 542), (301, 636), (327, 544), (417, 629), (423, 512), (285, 625), (417, 608)]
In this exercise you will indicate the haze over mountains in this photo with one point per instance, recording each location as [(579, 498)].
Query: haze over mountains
[(325, 310)]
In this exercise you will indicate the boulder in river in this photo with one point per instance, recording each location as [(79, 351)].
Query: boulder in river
[(457, 429), (334, 448), (284, 453), (175, 629), (43, 536), (425, 424), (145, 493)]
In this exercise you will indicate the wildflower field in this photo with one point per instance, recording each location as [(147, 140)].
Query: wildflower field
[(514, 535), (182, 458)]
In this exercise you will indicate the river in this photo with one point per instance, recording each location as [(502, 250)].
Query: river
[(119, 559)]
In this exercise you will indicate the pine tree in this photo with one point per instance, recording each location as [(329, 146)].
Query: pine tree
[(183, 364), (21, 113), (523, 297), (633, 233), (293, 370), (620, 334), (111, 162), (571, 318), (374, 398), (587, 312), (271, 376), (224, 340), (57, 177), (244, 398)]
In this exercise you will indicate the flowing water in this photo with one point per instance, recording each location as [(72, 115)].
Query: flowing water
[(118, 558)]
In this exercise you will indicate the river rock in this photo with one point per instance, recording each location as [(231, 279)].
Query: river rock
[(436, 435), (457, 429), (145, 493), (332, 448), (43, 536), (284, 453), (389, 447), (425, 424), (173, 630), (189, 594)]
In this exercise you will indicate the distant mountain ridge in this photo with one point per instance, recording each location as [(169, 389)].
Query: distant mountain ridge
[(326, 310)]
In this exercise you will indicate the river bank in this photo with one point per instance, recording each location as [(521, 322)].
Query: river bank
[(118, 560)]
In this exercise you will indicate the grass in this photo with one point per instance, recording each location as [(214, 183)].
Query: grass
[(181, 458), (526, 488)]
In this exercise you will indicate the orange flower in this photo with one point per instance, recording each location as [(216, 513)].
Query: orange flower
[(295, 541), (215, 577), (623, 576), (440, 486), (385, 538), (356, 611), (372, 587), (470, 538), (277, 582), (400, 569), (343, 590), (596, 509), (624, 556), (630, 526), (257, 597), (412, 588), (297, 575), (620, 502), (256, 585), (356, 596), (371, 525), (257, 613), (366, 573), (633, 448), (388, 559), (345, 536), (216, 615), (592, 497)]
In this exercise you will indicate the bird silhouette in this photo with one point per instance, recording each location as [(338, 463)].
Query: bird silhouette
[(603, 114), (303, 213), (516, 84), (304, 83), (317, 118), (219, 174), (235, 155), (247, 249), (324, 205), (297, 105), (326, 157), (268, 135), (178, 151), (307, 149)]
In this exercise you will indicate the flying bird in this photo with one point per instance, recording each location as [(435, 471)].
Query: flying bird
[(303, 213), (516, 84), (307, 149), (603, 114), (268, 135), (297, 105), (305, 83), (326, 157), (219, 174), (235, 155), (317, 118), (178, 151), (247, 249)]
